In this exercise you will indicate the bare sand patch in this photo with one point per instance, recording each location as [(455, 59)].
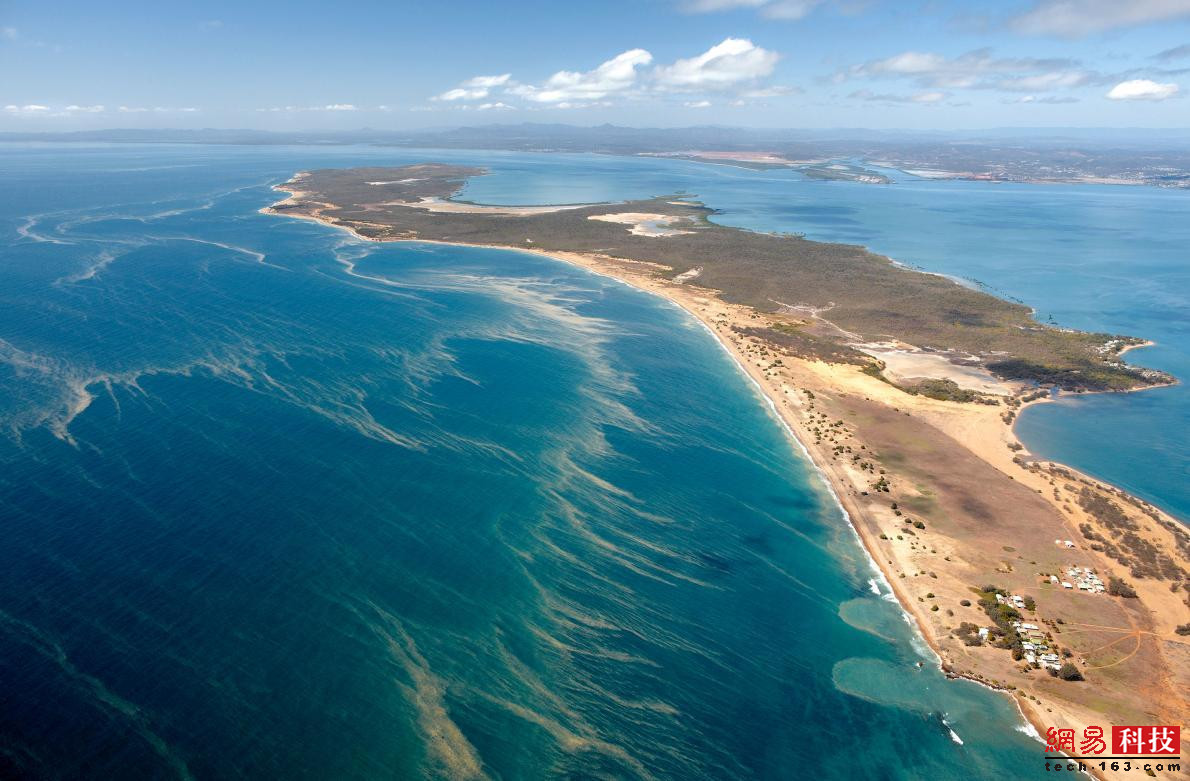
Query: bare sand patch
[(459, 207), (652, 225), (905, 364), (396, 181)]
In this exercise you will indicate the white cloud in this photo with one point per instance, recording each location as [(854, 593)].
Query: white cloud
[(790, 10), (697, 104), (775, 91), (488, 81), (1062, 79), (39, 110), (327, 107), (459, 93), (617, 75), (9, 33), (29, 109), (1142, 89), (919, 97), (733, 65), (908, 62), (210, 24), (497, 106), (154, 109), (1048, 99), (568, 104), (710, 6), (726, 64), (475, 88), (928, 97), (976, 70), (1079, 18)]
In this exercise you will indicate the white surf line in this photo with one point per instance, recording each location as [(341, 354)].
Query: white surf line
[(949, 728), (101, 261), (26, 231), (257, 255), (107, 257), (86, 215)]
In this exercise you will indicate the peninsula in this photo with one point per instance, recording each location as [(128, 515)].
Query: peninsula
[(903, 387)]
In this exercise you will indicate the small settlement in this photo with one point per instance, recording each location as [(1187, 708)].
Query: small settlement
[(1082, 578), (1033, 641)]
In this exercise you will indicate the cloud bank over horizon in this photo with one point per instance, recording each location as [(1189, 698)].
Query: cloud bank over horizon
[(947, 63)]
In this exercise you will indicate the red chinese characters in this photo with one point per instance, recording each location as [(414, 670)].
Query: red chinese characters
[(1146, 740), (1153, 740), (1059, 740), (1093, 742)]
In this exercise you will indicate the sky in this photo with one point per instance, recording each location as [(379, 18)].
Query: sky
[(298, 65)]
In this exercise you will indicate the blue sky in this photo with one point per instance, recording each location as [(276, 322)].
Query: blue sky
[(766, 63)]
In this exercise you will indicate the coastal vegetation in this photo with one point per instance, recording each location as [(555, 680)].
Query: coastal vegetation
[(804, 341), (1119, 588), (948, 390), (1075, 374), (1123, 541)]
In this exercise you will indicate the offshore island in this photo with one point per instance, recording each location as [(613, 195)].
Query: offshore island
[(903, 387)]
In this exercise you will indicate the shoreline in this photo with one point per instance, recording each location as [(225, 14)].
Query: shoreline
[(718, 317), (865, 544)]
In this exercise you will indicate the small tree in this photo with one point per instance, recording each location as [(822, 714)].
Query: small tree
[(1119, 588), (1069, 672)]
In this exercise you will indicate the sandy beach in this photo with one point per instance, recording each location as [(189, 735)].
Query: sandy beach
[(989, 513)]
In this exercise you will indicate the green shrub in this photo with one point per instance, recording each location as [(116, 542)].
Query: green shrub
[(1070, 672)]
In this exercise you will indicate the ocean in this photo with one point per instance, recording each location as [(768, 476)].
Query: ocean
[(279, 503)]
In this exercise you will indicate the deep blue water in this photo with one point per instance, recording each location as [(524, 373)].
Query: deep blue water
[(281, 504)]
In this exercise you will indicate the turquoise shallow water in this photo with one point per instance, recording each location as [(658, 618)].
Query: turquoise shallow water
[(282, 504)]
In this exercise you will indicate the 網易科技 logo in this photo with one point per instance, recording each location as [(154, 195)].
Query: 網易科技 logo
[(1148, 745)]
